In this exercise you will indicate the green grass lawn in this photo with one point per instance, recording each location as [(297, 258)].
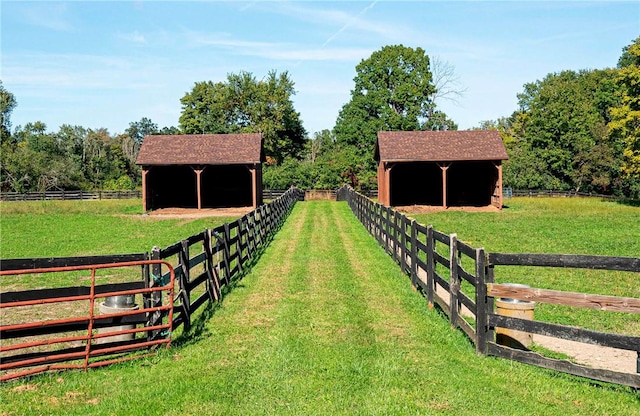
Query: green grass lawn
[(325, 323), (82, 228)]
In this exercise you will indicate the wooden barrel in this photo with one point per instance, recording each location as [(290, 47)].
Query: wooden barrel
[(514, 308)]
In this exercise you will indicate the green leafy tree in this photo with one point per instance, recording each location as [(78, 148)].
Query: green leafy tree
[(393, 90), (7, 104), (137, 130), (168, 130), (562, 131), (244, 104), (321, 143), (625, 122)]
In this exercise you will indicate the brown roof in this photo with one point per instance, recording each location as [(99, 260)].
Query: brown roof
[(201, 149), (439, 146)]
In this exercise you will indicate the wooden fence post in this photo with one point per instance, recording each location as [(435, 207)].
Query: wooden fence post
[(414, 254), (454, 284), (430, 266), (380, 225), (488, 278), (239, 244), (213, 286), (227, 254), (403, 242), (185, 293), (482, 314)]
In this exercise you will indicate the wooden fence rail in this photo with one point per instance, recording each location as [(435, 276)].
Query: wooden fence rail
[(68, 195), (460, 280)]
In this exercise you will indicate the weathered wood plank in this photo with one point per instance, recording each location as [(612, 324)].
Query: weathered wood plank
[(200, 258), (441, 237), (471, 278), (630, 264), (439, 258), (454, 282), (467, 301), (482, 307), (557, 297), (466, 249), (47, 262)]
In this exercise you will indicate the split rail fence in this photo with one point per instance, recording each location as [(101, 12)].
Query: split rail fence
[(177, 281), (68, 195), (440, 265)]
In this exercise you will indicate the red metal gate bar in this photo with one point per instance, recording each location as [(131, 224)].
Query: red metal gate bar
[(88, 351)]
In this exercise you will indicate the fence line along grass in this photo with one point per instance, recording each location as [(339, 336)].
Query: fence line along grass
[(324, 323), (558, 225)]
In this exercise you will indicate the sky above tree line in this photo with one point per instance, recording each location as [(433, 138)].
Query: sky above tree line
[(106, 64)]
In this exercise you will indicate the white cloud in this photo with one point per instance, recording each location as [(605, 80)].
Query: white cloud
[(275, 50), (135, 37)]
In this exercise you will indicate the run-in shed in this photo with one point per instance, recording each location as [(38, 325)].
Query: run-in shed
[(443, 168), (201, 171)]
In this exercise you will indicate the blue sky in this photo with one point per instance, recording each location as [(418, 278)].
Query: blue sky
[(106, 64)]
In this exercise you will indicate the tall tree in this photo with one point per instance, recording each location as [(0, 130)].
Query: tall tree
[(137, 130), (7, 104), (393, 90), (625, 123), (244, 104), (562, 124)]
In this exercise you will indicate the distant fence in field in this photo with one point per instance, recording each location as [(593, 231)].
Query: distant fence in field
[(68, 195), (202, 267), (440, 265), (267, 194), (509, 193)]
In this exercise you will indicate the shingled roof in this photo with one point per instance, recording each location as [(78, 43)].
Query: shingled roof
[(439, 146), (201, 149)]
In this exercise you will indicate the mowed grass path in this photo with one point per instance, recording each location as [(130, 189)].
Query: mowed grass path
[(325, 323)]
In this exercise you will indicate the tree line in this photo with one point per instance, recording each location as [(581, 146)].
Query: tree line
[(574, 130)]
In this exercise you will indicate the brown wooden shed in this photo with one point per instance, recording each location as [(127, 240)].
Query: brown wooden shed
[(443, 168), (201, 171)]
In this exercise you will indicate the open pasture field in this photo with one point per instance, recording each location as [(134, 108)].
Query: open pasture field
[(83, 228)]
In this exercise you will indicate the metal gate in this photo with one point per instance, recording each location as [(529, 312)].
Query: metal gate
[(102, 333)]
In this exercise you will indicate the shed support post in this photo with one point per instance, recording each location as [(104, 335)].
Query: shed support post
[(498, 190), (254, 187), (387, 183), (144, 190), (199, 186), (444, 167)]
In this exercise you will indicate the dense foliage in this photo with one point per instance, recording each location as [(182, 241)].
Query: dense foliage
[(577, 130), (74, 157)]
